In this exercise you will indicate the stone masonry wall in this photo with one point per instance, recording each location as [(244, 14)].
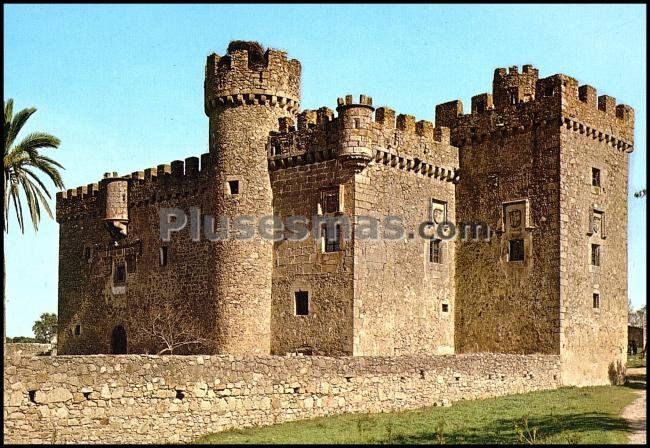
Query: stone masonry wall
[(595, 134), (305, 266), (153, 399)]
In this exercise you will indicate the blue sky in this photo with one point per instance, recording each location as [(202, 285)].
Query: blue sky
[(122, 86)]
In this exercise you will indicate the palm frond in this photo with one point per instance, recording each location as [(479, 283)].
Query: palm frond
[(17, 123), (37, 140), (20, 164)]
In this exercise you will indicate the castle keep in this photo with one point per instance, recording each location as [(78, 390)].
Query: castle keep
[(542, 162)]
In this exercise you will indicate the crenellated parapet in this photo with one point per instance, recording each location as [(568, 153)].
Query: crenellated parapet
[(520, 102), (114, 196), (360, 135), (248, 75)]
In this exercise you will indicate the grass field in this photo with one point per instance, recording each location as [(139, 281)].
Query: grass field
[(566, 415)]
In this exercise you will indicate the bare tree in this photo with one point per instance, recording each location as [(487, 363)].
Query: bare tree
[(170, 324), (635, 317)]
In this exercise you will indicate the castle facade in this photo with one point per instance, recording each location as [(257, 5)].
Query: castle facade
[(541, 164)]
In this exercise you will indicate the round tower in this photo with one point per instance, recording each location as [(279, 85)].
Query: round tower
[(355, 138), (247, 92), (116, 207)]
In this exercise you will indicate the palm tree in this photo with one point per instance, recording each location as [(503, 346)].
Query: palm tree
[(22, 163)]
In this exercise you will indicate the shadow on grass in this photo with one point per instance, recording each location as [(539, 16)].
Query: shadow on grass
[(502, 431)]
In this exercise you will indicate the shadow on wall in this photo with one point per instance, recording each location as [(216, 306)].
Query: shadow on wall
[(616, 372)]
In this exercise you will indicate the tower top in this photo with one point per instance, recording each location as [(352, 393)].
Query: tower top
[(249, 74)]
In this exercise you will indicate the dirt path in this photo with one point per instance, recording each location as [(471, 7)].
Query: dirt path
[(635, 413)]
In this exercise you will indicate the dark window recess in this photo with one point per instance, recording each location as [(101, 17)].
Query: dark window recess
[(595, 255), (120, 274), (331, 202), (130, 263), (32, 396), (332, 243), (180, 394), (595, 177), (163, 256), (77, 330), (302, 303), (596, 300), (234, 186), (435, 254), (445, 308), (357, 123), (516, 250)]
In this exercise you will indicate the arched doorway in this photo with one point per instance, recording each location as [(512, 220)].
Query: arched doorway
[(118, 341)]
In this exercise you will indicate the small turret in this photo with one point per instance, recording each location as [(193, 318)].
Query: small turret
[(512, 87), (116, 191), (355, 139)]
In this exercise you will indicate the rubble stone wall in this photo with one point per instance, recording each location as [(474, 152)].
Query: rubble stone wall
[(158, 399)]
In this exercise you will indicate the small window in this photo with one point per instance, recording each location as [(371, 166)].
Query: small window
[(332, 244), (77, 330), (357, 123), (445, 307), (163, 256), (435, 254), (595, 177), (330, 200), (302, 303), (595, 255), (596, 300), (234, 186), (120, 274), (516, 250)]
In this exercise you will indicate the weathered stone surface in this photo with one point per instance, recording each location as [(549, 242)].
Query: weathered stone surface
[(379, 384)]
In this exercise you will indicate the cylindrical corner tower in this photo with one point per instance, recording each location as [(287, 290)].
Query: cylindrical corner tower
[(247, 92), (355, 138)]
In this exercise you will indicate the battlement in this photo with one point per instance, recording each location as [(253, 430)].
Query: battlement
[(94, 198), (522, 100), (357, 135), (249, 75)]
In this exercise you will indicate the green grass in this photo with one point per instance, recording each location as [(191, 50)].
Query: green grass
[(566, 415), (635, 361)]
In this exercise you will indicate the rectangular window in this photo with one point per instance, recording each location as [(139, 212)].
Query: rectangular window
[(435, 254), (77, 330), (330, 201), (234, 186), (516, 250), (595, 177), (332, 243), (302, 303), (596, 300), (120, 274), (163, 256), (445, 308), (595, 255)]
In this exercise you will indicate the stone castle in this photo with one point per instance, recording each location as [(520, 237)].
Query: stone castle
[(542, 161)]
